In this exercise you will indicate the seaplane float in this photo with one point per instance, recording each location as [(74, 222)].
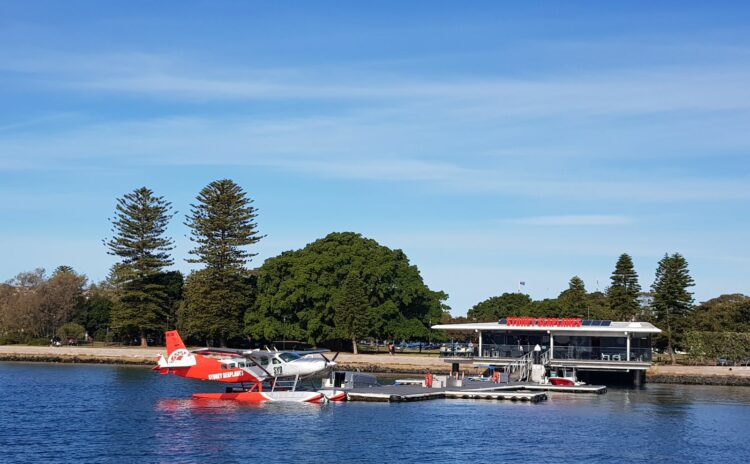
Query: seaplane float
[(262, 376)]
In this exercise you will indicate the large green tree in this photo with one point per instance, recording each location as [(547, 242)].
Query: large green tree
[(222, 226), (725, 313), (298, 289), (507, 304), (139, 227), (623, 292), (351, 310), (672, 300)]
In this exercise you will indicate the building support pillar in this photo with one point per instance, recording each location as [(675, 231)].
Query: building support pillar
[(481, 355), (551, 345), (627, 346), (638, 377)]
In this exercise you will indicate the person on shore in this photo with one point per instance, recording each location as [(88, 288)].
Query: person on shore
[(391, 348)]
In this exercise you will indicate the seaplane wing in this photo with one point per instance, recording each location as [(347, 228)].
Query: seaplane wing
[(228, 367), (238, 365), (306, 352)]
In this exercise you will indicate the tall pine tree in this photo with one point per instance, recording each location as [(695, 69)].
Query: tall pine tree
[(574, 300), (351, 310), (139, 227), (222, 224), (622, 294), (672, 300)]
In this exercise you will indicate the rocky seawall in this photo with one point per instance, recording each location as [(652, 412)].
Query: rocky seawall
[(692, 379), (86, 359)]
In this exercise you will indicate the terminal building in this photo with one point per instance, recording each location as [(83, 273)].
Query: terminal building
[(587, 346)]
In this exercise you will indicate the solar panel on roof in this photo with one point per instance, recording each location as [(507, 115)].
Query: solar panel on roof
[(586, 322), (502, 322), (606, 323)]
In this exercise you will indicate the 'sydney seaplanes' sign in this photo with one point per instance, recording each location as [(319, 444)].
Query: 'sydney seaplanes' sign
[(225, 375), (543, 321)]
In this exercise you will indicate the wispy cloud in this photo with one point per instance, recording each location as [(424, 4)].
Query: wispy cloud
[(183, 78), (573, 220), (347, 147)]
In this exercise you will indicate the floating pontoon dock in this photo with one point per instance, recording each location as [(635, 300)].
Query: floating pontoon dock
[(517, 391)]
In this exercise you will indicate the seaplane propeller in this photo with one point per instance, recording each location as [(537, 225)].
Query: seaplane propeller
[(332, 360)]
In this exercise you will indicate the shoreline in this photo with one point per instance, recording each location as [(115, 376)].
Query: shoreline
[(373, 363)]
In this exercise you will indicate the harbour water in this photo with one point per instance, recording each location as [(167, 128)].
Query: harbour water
[(94, 413)]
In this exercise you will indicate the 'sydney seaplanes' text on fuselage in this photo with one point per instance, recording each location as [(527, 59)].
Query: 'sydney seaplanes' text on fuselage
[(251, 367)]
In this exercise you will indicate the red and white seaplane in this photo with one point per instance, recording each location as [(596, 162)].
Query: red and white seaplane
[(261, 374)]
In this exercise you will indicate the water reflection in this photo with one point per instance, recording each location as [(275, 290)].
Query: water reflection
[(211, 406), (106, 413)]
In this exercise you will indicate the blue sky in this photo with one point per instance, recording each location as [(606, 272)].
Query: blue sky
[(492, 142)]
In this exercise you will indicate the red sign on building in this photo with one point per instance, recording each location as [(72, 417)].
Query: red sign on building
[(543, 321)]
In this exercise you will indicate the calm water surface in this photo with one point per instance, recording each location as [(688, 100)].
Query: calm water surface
[(64, 413)]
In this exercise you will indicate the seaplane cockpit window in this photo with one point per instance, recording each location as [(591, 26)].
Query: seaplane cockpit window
[(287, 357), (223, 366), (241, 365), (275, 361), (263, 361), (251, 363)]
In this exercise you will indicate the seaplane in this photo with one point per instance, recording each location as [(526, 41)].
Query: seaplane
[(262, 375)]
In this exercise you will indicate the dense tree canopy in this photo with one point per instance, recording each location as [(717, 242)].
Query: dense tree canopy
[(33, 305), (300, 287), (726, 313), (343, 287), (573, 302), (507, 304)]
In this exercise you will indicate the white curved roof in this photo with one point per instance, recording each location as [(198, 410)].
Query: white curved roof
[(614, 327)]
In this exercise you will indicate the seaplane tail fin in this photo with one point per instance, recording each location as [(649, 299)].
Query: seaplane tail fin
[(177, 353), (174, 342)]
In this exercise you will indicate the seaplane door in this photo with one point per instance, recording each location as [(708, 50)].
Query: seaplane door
[(278, 369)]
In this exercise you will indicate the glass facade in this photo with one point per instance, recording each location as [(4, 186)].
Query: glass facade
[(515, 344), (512, 344)]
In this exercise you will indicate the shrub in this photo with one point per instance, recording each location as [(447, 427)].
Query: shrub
[(38, 342), (71, 330), (9, 339)]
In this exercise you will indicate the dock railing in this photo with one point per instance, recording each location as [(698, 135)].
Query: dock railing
[(494, 351), (545, 357), (522, 366), (451, 351), (601, 354)]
